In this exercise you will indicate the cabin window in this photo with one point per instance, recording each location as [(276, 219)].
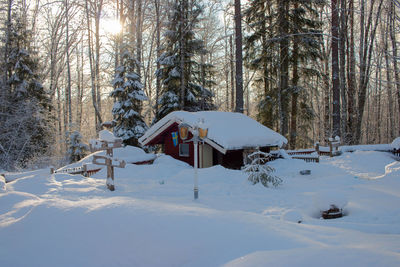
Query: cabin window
[(184, 150)]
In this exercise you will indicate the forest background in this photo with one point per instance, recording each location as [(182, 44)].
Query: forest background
[(312, 69)]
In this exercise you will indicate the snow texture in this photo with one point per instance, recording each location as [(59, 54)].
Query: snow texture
[(151, 218), (106, 135), (2, 184), (230, 130), (396, 143)]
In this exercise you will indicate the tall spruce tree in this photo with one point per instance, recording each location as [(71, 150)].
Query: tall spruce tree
[(129, 96), (282, 54), (180, 90), (26, 131)]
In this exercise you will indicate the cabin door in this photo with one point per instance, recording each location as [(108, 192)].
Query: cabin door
[(206, 156)]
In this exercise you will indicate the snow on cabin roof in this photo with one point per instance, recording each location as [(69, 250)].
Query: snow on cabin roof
[(227, 129)]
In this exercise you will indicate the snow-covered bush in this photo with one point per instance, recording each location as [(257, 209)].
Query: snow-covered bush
[(259, 171), (76, 149)]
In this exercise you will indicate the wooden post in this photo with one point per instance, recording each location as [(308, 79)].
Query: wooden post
[(51, 170), (317, 147), (108, 160), (85, 173), (110, 175)]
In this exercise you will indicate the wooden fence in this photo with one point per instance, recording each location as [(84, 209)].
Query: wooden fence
[(308, 155), (77, 170), (396, 152)]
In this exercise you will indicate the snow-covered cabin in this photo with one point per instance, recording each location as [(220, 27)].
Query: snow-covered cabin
[(231, 137)]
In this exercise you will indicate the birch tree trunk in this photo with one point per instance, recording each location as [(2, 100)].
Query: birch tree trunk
[(98, 119), (68, 89), (98, 8), (139, 37), (232, 75)]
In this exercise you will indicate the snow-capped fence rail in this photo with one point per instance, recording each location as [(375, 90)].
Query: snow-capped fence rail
[(331, 150), (83, 170), (396, 152), (308, 155)]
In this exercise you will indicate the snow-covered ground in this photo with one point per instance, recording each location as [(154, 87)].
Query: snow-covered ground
[(152, 220)]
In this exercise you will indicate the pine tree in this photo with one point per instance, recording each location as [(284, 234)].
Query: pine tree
[(180, 89), (76, 149), (128, 94), (26, 131), (259, 171)]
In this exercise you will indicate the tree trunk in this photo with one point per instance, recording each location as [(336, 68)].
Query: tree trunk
[(6, 72), (394, 49), (68, 89), (139, 37), (92, 71), (239, 59), (391, 125), (335, 71), (295, 94), (232, 75), (366, 45), (182, 52), (327, 93), (99, 6), (342, 68), (80, 86), (351, 82), (158, 42), (283, 66)]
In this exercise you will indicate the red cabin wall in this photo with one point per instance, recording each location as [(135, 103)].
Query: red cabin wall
[(172, 150)]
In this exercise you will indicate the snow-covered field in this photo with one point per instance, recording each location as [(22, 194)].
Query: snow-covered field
[(152, 220)]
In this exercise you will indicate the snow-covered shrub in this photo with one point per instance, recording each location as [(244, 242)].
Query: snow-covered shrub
[(76, 149), (259, 171)]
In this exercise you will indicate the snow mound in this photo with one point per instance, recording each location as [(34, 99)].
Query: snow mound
[(2, 184), (130, 154), (396, 143), (292, 216), (316, 256), (107, 136)]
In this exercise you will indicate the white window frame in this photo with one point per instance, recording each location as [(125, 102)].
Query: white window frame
[(181, 154)]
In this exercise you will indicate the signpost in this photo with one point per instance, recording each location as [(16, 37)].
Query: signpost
[(108, 160)]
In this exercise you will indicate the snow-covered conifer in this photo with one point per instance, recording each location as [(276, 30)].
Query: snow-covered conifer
[(181, 87), (259, 171), (76, 148), (129, 96), (26, 131)]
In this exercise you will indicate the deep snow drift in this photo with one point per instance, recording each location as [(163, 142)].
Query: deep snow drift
[(152, 220)]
